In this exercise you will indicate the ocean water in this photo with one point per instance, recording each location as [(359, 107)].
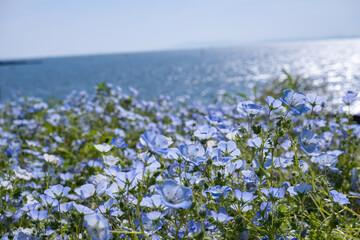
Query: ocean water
[(202, 73)]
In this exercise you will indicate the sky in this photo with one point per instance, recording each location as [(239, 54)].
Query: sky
[(46, 28)]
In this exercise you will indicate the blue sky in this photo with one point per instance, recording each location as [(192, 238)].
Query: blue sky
[(41, 28)]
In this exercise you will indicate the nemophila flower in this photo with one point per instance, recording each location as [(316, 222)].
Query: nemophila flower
[(174, 169), (83, 209), (214, 118), (277, 162), (309, 142), (85, 191), (104, 207), (97, 226), (301, 188), (127, 179), (339, 197), (48, 201), (110, 160), (218, 191), (54, 119), (222, 216), (94, 163), (103, 147), (51, 159), (173, 195), (153, 201), (5, 184), (101, 187), (9, 152), (193, 153), (193, 228), (250, 176), (149, 224), (296, 101), (29, 207), (316, 102), (118, 143), (273, 192), (155, 143), (349, 97), (112, 170), (22, 174), (303, 166), (273, 103), (248, 109), (325, 160), (231, 167), (229, 148), (219, 158), (38, 215), (151, 166), (57, 191), (257, 142), (65, 207), (205, 132), (244, 197), (66, 176), (116, 212)]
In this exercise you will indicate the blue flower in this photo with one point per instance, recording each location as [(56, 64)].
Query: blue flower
[(303, 166), (83, 209), (110, 160), (273, 103), (85, 191), (217, 191), (309, 142), (213, 118), (257, 142), (244, 197), (38, 215), (193, 228), (296, 101), (148, 222), (65, 207), (193, 153), (129, 179), (349, 97), (48, 201), (274, 192), (97, 226), (57, 191), (222, 216), (339, 197), (103, 147), (156, 143), (301, 188), (325, 160), (248, 109), (316, 102), (229, 148), (173, 195), (277, 162), (118, 143), (250, 176), (205, 132)]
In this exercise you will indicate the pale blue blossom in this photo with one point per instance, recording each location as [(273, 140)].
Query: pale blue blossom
[(173, 195)]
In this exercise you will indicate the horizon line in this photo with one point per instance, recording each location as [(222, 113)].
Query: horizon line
[(184, 48)]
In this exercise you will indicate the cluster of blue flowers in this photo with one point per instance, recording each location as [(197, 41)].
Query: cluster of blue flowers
[(112, 166)]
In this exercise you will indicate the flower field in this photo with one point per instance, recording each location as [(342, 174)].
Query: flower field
[(113, 166)]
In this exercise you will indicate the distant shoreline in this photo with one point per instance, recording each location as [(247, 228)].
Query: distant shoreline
[(19, 62)]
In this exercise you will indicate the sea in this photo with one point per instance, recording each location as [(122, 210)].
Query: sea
[(202, 74)]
